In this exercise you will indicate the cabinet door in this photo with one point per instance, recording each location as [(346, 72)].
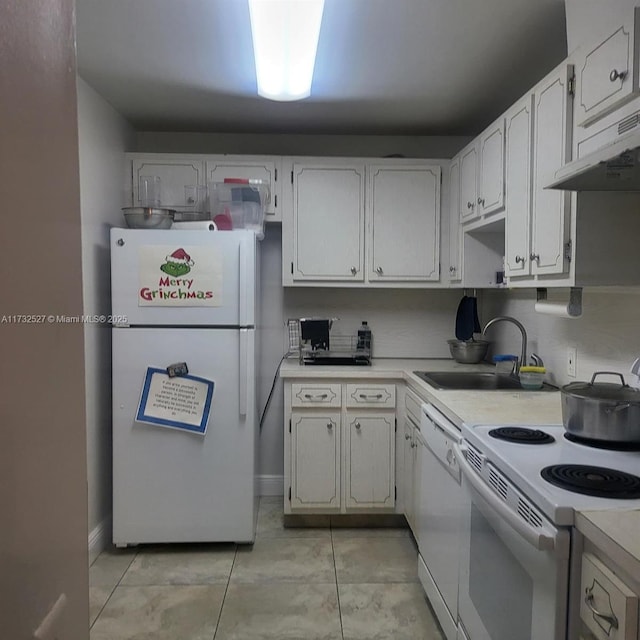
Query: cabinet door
[(315, 460), (175, 175), (491, 169), (408, 463), (455, 228), (328, 222), (518, 179), (369, 461), (552, 126), (607, 72), (468, 184), (404, 223), (217, 169)]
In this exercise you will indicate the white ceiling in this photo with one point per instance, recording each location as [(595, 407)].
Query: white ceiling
[(419, 67)]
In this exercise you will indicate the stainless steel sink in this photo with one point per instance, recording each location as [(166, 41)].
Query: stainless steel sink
[(473, 381)]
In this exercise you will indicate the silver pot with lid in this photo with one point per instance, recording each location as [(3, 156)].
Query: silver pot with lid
[(603, 411)]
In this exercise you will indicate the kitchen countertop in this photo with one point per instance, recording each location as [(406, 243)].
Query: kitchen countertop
[(472, 407), (616, 533)]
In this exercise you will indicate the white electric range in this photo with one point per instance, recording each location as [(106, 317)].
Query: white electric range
[(516, 553)]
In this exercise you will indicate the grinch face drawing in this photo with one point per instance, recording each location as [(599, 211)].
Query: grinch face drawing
[(178, 263)]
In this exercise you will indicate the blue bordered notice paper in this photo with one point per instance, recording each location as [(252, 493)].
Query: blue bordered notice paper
[(183, 402)]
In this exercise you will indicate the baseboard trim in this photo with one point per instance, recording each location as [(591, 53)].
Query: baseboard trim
[(271, 485), (99, 539)]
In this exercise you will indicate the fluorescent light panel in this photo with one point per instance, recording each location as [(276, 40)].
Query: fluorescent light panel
[(285, 40)]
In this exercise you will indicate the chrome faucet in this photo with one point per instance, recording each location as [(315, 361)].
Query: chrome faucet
[(523, 354)]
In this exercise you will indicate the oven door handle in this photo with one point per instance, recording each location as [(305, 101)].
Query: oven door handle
[(543, 540)]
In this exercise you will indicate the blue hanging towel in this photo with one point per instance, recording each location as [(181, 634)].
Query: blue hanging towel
[(467, 322)]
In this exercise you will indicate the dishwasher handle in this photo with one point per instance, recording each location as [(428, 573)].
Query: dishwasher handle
[(543, 539)]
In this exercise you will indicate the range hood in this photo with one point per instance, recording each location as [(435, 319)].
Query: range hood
[(608, 155), (613, 167)]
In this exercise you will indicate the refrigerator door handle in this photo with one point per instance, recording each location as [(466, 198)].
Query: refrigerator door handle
[(244, 370)]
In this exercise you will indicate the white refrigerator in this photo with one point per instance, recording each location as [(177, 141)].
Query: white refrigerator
[(185, 446)]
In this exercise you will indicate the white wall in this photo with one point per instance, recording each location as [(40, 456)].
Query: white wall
[(104, 136), (606, 335), (405, 323), (298, 145), (587, 20), (43, 465)]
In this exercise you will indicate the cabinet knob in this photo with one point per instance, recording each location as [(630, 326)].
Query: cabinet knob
[(470, 205), (357, 425), (617, 75), (534, 256), (406, 436), (379, 271), (329, 426), (353, 271), (481, 201), (120, 242), (452, 269), (520, 259), (413, 445)]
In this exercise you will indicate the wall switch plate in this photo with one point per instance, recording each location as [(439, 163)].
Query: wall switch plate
[(572, 357)]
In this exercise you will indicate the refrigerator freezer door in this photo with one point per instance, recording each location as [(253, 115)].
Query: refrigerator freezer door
[(177, 278), (176, 486)]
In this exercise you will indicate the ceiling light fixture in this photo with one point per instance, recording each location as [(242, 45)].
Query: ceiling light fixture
[(285, 40)]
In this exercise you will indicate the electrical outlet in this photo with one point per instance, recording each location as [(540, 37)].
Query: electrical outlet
[(572, 358)]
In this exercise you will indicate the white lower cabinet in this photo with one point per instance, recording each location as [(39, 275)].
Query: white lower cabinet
[(369, 460), (315, 460), (608, 607), (339, 456), (408, 464)]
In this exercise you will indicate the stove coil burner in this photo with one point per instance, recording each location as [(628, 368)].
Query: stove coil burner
[(593, 481), (522, 435), (603, 444)]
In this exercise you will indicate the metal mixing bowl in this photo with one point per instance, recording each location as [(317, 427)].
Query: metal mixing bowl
[(148, 217), (468, 351)]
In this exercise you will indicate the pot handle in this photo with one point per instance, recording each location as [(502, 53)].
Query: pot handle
[(608, 373), (617, 407)]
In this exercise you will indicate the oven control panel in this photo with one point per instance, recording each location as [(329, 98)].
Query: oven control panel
[(608, 608)]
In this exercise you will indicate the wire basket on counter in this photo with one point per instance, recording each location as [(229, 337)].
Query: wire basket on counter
[(329, 348)]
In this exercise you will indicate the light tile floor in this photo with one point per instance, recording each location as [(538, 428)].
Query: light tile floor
[(324, 583)]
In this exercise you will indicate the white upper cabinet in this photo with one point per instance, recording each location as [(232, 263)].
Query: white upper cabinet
[(361, 222), (482, 174), (179, 175), (468, 182), (552, 117), (266, 169), (404, 223), (607, 70), (328, 221), (518, 159), (176, 174), (455, 229), (491, 169)]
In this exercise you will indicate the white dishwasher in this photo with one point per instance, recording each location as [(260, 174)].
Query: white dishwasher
[(440, 514)]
